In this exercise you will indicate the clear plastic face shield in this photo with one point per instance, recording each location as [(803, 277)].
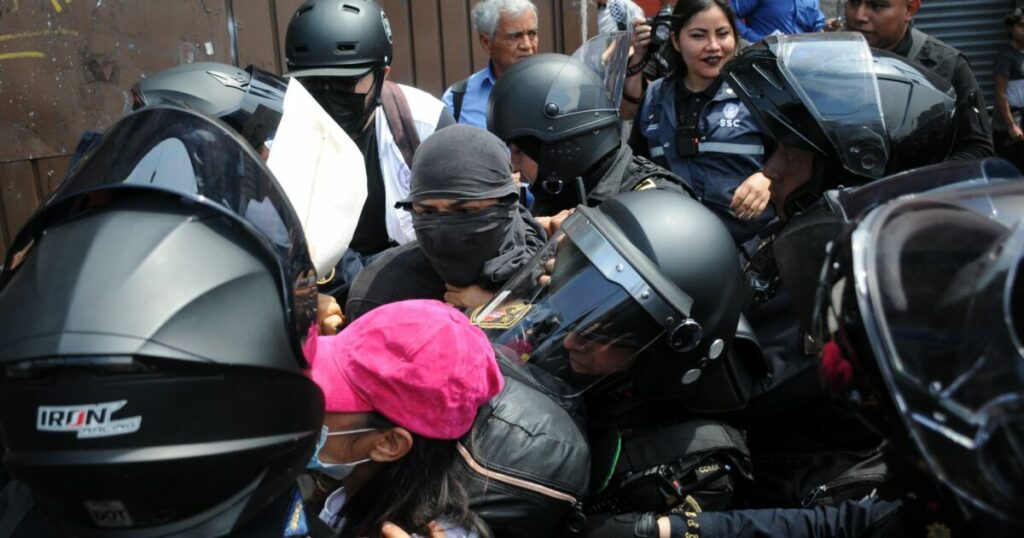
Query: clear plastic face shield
[(833, 75), (587, 319), (607, 55), (937, 283)]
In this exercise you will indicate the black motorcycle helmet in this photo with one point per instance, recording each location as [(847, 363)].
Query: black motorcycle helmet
[(558, 112), (337, 38), (621, 275), (920, 317), (800, 248), (250, 100), (864, 113), (151, 321)]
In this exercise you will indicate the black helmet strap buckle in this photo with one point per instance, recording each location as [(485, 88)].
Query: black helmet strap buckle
[(553, 185)]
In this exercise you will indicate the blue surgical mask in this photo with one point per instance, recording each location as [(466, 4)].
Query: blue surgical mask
[(337, 471)]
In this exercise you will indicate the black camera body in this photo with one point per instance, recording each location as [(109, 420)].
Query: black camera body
[(661, 27)]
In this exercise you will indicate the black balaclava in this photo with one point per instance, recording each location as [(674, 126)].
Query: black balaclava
[(486, 246), (351, 110)]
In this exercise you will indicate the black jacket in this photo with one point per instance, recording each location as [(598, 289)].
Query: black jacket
[(973, 130)]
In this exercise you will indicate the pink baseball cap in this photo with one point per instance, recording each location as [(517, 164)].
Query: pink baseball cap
[(419, 363)]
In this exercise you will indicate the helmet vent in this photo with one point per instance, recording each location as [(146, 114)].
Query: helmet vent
[(350, 8), (302, 11), (300, 49), (346, 48)]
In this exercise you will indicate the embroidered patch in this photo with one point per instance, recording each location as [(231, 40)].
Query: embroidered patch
[(731, 110), (499, 318)]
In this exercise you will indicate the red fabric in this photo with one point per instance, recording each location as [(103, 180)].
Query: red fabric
[(837, 370), (419, 363)]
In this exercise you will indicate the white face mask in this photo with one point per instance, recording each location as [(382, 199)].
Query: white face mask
[(337, 471)]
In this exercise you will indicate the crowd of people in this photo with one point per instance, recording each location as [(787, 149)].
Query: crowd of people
[(728, 319)]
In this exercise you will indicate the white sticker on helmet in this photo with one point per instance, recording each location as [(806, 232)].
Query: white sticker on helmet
[(87, 420)]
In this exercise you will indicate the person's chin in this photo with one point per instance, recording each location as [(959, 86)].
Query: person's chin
[(577, 363)]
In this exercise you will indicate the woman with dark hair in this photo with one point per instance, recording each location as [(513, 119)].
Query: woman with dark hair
[(694, 124), (401, 385)]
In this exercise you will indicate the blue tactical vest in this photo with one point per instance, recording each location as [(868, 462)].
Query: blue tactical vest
[(730, 149)]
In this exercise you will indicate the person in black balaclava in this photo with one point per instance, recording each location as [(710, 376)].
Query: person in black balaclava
[(351, 86), (471, 234)]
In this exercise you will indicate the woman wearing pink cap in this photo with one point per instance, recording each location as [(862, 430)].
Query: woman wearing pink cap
[(401, 385)]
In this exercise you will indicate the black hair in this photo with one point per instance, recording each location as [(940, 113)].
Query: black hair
[(411, 492), (1013, 18), (681, 15)]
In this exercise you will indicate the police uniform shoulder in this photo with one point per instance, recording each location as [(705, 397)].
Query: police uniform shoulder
[(647, 175), (937, 47)]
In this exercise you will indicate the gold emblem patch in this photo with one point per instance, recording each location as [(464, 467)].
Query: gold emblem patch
[(938, 530), (645, 185), (500, 318)]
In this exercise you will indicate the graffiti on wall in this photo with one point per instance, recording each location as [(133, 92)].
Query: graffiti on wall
[(66, 66), (19, 54)]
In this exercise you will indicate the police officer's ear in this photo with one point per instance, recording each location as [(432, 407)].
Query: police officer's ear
[(912, 7), (391, 444), (387, 71)]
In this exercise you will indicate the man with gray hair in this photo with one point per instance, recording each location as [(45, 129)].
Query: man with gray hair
[(507, 30)]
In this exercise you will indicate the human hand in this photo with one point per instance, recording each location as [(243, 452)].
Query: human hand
[(553, 223), (1016, 134), (640, 40), (751, 197), (328, 314), (470, 296), (834, 24)]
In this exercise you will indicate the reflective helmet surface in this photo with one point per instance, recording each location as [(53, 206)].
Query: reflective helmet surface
[(151, 321), (920, 321), (869, 112), (250, 100), (654, 272)]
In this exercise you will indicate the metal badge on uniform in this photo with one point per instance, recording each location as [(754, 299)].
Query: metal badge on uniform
[(645, 185), (499, 318)]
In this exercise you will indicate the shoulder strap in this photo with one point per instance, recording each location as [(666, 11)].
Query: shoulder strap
[(458, 92), (917, 39), (396, 110)]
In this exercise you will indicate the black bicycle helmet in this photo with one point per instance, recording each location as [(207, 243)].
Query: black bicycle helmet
[(337, 38)]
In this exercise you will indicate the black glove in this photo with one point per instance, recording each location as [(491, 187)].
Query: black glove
[(622, 526)]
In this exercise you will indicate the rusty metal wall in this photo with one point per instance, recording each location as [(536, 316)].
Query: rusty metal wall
[(67, 65)]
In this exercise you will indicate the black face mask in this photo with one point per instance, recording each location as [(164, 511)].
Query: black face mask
[(458, 244), (349, 110)]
